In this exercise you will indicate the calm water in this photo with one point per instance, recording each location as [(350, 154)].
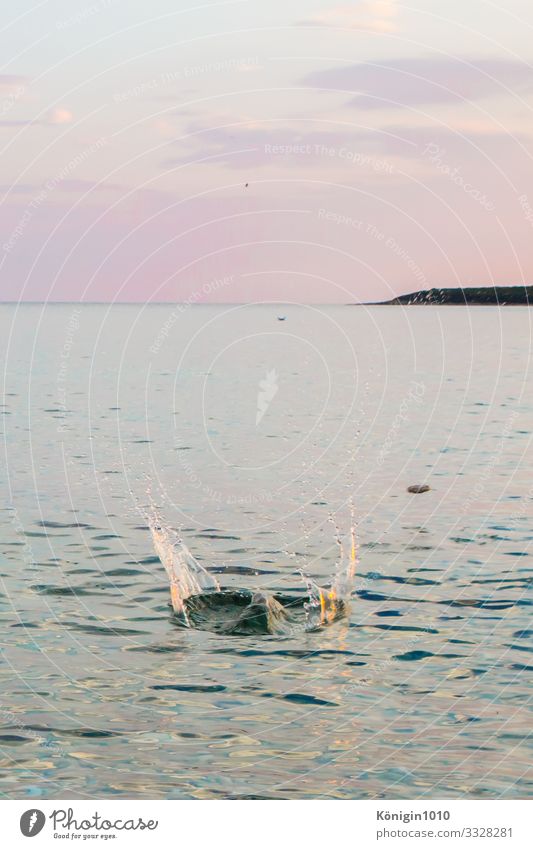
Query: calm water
[(248, 432)]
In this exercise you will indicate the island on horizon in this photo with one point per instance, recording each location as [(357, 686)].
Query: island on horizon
[(501, 296)]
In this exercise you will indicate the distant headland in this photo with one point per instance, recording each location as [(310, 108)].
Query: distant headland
[(501, 296)]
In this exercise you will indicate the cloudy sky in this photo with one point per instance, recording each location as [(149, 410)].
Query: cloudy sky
[(302, 150)]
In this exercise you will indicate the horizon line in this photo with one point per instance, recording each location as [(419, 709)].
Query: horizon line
[(189, 303)]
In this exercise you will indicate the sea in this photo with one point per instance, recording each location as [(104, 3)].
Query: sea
[(257, 432)]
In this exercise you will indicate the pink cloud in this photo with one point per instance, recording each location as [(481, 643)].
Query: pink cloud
[(423, 80), (372, 16), (247, 146), (11, 82), (60, 115)]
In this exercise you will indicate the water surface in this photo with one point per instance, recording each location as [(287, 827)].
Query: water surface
[(249, 433)]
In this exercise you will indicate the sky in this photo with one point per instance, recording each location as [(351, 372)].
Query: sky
[(241, 151)]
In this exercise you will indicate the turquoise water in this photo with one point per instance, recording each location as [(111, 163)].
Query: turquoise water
[(249, 433)]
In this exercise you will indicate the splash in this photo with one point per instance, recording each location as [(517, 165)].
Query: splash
[(187, 577), (199, 602), (326, 604), (347, 566)]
